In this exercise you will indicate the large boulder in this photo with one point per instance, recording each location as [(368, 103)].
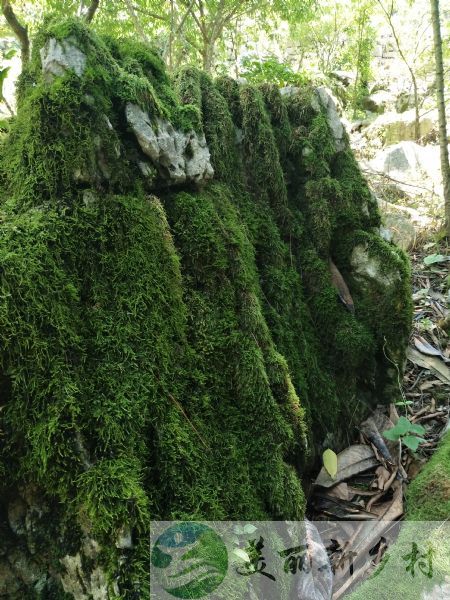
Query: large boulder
[(393, 127), (173, 343), (378, 102), (415, 169)]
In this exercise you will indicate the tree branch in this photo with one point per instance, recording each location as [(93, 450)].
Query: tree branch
[(20, 31), (91, 10), (136, 22)]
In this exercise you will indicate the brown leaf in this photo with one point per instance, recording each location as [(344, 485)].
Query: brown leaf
[(351, 461), (432, 363), (342, 289), (383, 476), (425, 348), (339, 491)]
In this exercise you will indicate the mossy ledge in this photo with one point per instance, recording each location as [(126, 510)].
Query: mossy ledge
[(172, 344)]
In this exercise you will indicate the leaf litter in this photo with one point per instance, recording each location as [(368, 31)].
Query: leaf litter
[(370, 476)]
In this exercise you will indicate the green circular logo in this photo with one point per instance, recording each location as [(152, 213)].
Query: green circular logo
[(190, 560)]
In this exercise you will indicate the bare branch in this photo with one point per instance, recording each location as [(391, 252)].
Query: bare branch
[(136, 22), (149, 13), (20, 31)]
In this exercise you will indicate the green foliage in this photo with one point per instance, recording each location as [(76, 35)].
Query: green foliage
[(271, 69), (407, 432)]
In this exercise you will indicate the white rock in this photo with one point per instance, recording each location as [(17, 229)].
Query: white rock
[(410, 165), (393, 127), (369, 269), (83, 585), (58, 57), (124, 538), (325, 99), (178, 156), (379, 101)]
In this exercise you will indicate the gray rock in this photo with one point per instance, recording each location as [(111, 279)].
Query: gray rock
[(323, 98), (124, 538), (397, 227), (392, 127), (345, 77), (378, 102), (368, 269), (58, 57), (178, 156), (17, 511), (410, 165), (289, 90)]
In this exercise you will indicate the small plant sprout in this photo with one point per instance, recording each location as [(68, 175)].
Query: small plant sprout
[(406, 432)]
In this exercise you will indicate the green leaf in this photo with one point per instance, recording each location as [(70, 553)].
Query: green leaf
[(242, 554), (412, 442), (3, 74), (404, 402), (330, 462), (10, 53), (403, 426), (391, 434), (249, 528), (434, 258), (417, 429)]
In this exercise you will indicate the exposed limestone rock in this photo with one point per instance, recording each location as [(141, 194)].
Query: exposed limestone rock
[(83, 585), (178, 156), (397, 226), (410, 165), (370, 269), (378, 102), (391, 127), (325, 99), (58, 57)]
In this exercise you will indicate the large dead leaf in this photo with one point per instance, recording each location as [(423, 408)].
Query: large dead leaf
[(425, 348), (340, 491), (351, 461), (432, 363), (341, 287)]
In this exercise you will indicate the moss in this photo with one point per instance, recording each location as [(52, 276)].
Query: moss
[(428, 496), (175, 358)]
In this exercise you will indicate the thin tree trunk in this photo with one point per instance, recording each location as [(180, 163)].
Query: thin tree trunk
[(20, 31), (208, 55), (445, 166), (89, 11), (408, 66)]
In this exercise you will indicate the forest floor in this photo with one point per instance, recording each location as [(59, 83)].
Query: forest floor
[(373, 475)]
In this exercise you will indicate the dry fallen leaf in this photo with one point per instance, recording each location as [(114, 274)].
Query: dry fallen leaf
[(425, 348), (351, 461), (432, 363), (341, 287)]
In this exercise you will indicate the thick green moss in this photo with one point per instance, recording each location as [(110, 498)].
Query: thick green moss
[(428, 496), (181, 357)]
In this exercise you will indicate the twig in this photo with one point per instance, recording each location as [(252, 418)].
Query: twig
[(180, 408)]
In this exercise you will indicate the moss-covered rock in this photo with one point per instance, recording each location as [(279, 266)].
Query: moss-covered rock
[(173, 347)]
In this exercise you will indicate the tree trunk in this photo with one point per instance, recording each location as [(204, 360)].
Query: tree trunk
[(20, 31), (208, 55), (445, 166)]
